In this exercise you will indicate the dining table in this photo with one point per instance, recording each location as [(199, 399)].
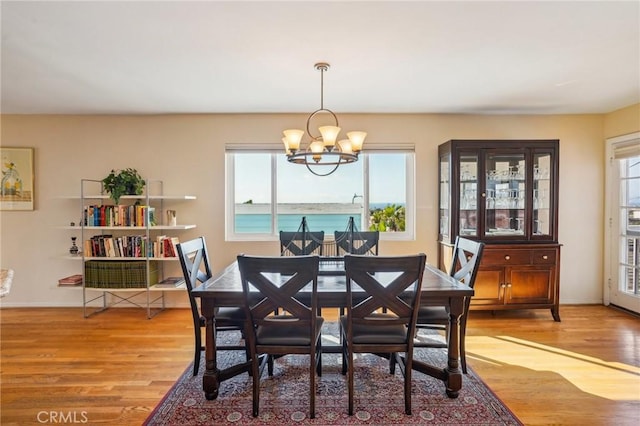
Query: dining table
[(438, 289)]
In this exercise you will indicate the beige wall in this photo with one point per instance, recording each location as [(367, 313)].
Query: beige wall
[(622, 122), (187, 153)]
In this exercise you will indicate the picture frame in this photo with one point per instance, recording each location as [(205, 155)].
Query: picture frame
[(16, 188)]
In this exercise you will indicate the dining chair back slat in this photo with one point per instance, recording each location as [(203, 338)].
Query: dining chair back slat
[(301, 243), (356, 242)]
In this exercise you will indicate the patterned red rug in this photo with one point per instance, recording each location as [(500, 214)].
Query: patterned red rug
[(378, 397)]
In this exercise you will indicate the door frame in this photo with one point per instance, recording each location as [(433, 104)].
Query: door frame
[(611, 217)]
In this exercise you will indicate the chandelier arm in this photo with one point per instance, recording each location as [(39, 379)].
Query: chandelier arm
[(335, 119), (303, 157), (322, 174)]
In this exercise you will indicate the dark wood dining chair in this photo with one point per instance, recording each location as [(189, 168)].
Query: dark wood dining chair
[(274, 284), (464, 267), (301, 243), (373, 283), (196, 269), (356, 242), (365, 242)]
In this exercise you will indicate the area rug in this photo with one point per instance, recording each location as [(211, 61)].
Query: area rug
[(284, 397)]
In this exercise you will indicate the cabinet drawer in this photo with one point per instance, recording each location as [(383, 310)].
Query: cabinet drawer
[(544, 257), (506, 257)]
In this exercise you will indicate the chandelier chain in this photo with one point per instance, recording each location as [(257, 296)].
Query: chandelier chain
[(322, 87)]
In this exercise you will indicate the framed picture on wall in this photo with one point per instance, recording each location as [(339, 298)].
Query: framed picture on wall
[(16, 190)]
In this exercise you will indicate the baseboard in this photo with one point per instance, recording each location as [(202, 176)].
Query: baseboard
[(625, 310)]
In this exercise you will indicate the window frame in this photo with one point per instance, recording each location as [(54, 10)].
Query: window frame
[(275, 150)]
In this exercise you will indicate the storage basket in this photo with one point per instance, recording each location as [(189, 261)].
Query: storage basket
[(119, 274)]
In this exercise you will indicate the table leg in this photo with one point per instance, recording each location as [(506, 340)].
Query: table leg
[(453, 374), (210, 379)]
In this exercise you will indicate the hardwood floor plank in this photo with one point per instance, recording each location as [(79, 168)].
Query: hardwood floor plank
[(114, 367), (576, 372)]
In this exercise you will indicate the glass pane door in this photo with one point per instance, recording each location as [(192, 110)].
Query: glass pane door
[(629, 234), (468, 219), (445, 202), (542, 195), (622, 233), (505, 196)]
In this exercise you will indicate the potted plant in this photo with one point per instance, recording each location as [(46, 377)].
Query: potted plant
[(123, 182)]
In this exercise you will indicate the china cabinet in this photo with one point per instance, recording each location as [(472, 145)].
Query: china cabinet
[(505, 194)]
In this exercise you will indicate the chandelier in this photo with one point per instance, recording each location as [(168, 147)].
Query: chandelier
[(322, 151)]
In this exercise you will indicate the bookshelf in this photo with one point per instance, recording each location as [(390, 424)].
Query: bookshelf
[(124, 248)]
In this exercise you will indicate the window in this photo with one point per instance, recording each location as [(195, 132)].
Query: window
[(267, 194)]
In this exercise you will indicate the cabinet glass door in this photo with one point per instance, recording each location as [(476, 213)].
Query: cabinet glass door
[(445, 201), (468, 220), (542, 195), (505, 195)]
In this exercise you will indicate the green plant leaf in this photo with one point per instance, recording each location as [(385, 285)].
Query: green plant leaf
[(123, 182)]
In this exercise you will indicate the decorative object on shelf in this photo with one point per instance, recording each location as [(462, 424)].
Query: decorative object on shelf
[(172, 219), (72, 280), (323, 150), (123, 182), (74, 248)]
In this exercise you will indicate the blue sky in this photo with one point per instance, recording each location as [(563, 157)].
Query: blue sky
[(298, 185)]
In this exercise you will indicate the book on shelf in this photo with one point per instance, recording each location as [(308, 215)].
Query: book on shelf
[(158, 247), (71, 280), (119, 215), (109, 246), (170, 282), (174, 246), (168, 246)]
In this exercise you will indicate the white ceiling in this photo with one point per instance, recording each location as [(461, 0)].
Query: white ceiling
[(149, 57)]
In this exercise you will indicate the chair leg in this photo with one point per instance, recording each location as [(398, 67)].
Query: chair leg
[(198, 350), (270, 365), (312, 385), (255, 372), (350, 382), (407, 383), (463, 353), (319, 358), (344, 356)]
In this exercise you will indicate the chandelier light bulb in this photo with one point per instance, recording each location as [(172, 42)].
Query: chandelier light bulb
[(345, 146), (329, 135), (286, 146), (317, 148), (293, 137), (357, 140)]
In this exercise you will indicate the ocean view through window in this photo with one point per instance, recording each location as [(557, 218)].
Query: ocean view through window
[(267, 194)]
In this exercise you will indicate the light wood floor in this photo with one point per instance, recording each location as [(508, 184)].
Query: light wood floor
[(114, 367)]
